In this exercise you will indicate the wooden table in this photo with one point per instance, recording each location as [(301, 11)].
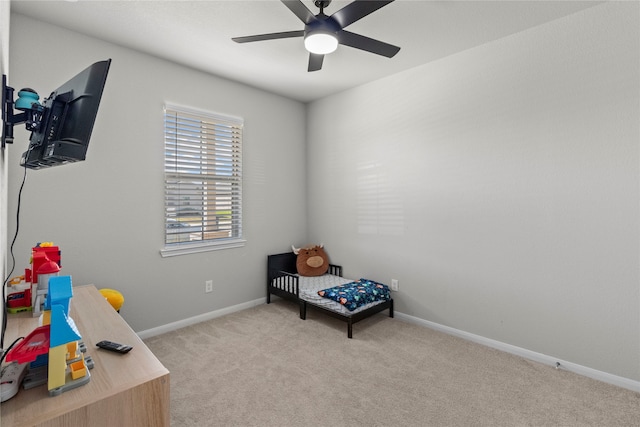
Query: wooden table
[(125, 390)]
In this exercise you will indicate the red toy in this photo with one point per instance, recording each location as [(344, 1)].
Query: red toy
[(42, 254), (20, 299)]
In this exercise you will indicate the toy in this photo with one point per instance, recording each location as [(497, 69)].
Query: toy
[(311, 260), (41, 253), (19, 301), (58, 338), (114, 298), (19, 297), (45, 263)]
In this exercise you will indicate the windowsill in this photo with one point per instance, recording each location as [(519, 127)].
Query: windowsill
[(194, 248)]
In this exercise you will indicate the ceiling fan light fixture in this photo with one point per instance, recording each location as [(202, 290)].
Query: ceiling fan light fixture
[(320, 42)]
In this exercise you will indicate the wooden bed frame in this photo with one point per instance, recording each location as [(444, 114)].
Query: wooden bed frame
[(281, 269)]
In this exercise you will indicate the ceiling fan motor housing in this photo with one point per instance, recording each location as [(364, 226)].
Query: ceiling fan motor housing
[(323, 23)]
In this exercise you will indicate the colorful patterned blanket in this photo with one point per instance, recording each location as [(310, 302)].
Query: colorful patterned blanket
[(356, 294)]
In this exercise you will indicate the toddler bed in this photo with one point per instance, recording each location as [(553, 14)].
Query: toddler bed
[(283, 281)]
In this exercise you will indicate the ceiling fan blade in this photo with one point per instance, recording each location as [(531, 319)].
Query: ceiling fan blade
[(315, 62), (357, 10), (270, 36), (300, 10), (357, 41)]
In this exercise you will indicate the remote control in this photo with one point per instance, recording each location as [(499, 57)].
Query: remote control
[(114, 346)]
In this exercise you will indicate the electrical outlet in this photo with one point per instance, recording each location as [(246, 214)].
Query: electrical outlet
[(394, 284), (208, 286)]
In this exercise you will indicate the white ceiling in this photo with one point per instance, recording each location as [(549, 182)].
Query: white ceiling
[(198, 34)]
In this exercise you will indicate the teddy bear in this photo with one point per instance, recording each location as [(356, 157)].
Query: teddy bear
[(311, 260)]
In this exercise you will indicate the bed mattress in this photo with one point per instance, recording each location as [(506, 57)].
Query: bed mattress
[(309, 287)]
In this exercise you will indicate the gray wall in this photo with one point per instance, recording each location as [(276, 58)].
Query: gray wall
[(106, 213), (499, 186)]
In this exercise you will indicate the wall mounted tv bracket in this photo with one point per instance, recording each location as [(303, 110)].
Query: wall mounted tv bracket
[(27, 102)]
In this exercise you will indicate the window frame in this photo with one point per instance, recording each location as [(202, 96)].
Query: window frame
[(170, 177)]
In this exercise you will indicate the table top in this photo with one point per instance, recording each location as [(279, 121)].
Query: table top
[(113, 373)]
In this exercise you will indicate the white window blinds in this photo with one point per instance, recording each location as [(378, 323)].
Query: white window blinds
[(203, 179)]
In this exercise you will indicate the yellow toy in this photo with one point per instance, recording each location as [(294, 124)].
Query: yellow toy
[(114, 298)]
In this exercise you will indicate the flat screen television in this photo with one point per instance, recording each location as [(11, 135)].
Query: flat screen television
[(67, 121)]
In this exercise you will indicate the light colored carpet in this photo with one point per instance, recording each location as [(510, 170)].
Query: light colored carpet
[(266, 367)]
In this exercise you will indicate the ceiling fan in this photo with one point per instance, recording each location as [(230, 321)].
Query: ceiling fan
[(323, 33)]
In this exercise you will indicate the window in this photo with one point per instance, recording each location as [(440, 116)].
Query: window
[(202, 181)]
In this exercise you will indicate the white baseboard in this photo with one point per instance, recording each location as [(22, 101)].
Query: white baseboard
[(527, 354), (197, 319)]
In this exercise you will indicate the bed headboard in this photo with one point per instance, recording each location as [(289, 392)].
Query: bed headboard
[(281, 262), (287, 262)]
